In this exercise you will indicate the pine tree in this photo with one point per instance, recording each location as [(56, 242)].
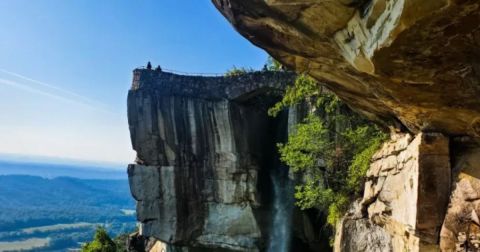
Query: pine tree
[(101, 242)]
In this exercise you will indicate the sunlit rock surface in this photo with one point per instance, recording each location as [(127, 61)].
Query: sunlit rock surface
[(405, 63), (408, 202), (405, 198), (411, 65), (461, 228)]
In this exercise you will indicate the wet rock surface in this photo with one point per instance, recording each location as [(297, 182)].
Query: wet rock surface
[(204, 155)]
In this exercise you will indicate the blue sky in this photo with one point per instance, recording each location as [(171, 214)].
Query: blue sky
[(65, 68)]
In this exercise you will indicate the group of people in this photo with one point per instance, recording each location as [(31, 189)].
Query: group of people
[(149, 67)]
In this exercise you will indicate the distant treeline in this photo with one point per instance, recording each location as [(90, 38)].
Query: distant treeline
[(29, 201)]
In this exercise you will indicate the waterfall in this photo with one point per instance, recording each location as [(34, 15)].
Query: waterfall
[(280, 234), (283, 188)]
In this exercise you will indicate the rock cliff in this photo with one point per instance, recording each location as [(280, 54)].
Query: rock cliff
[(406, 63), (205, 157), (413, 66)]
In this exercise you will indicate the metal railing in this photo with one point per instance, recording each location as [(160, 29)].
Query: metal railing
[(185, 73), (225, 74), (194, 74)]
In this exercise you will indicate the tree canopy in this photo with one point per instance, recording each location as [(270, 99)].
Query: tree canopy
[(101, 242), (331, 148)]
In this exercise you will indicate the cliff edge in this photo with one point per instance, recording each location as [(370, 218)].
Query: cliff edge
[(206, 161)]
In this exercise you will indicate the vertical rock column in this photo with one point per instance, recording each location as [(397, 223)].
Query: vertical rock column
[(405, 199), (200, 145), (197, 183)]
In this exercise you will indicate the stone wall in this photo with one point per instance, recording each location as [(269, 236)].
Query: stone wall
[(235, 87), (405, 198)]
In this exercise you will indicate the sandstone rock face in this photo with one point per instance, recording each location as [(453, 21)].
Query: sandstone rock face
[(204, 153), (405, 197), (405, 63), (367, 235), (461, 228), (412, 65)]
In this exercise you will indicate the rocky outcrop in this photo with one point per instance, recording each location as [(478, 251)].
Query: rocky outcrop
[(205, 150), (367, 235), (404, 63), (411, 65), (405, 198), (461, 228), (408, 204)]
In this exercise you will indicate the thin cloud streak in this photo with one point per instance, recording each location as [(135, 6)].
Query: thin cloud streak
[(48, 85), (28, 88)]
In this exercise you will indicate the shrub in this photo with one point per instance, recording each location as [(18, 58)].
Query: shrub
[(101, 242), (237, 71)]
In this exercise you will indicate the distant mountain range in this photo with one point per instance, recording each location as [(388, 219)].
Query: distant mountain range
[(53, 170), (62, 204)]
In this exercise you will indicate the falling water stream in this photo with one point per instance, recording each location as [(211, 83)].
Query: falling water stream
[(283, 191), (280, 234)]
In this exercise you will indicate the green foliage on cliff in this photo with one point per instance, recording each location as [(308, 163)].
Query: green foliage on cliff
[(101, 242), (237, 71), (304, 89), (331, 148)]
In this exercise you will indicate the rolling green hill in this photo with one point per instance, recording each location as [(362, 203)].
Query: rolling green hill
[(62, 211)]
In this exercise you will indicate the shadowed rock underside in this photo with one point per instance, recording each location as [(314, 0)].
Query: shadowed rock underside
[(409, 64)]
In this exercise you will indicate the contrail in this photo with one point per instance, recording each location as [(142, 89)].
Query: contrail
[(52, 87), (49, 94)]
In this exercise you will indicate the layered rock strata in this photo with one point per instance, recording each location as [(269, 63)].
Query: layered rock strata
[(421, 194), (411, 64), (405, 198)]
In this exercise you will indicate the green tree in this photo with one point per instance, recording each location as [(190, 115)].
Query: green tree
[(331, 148), (101, 242), (304, 89)]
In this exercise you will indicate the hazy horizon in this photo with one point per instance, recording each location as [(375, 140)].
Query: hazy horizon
[(20, 158)]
